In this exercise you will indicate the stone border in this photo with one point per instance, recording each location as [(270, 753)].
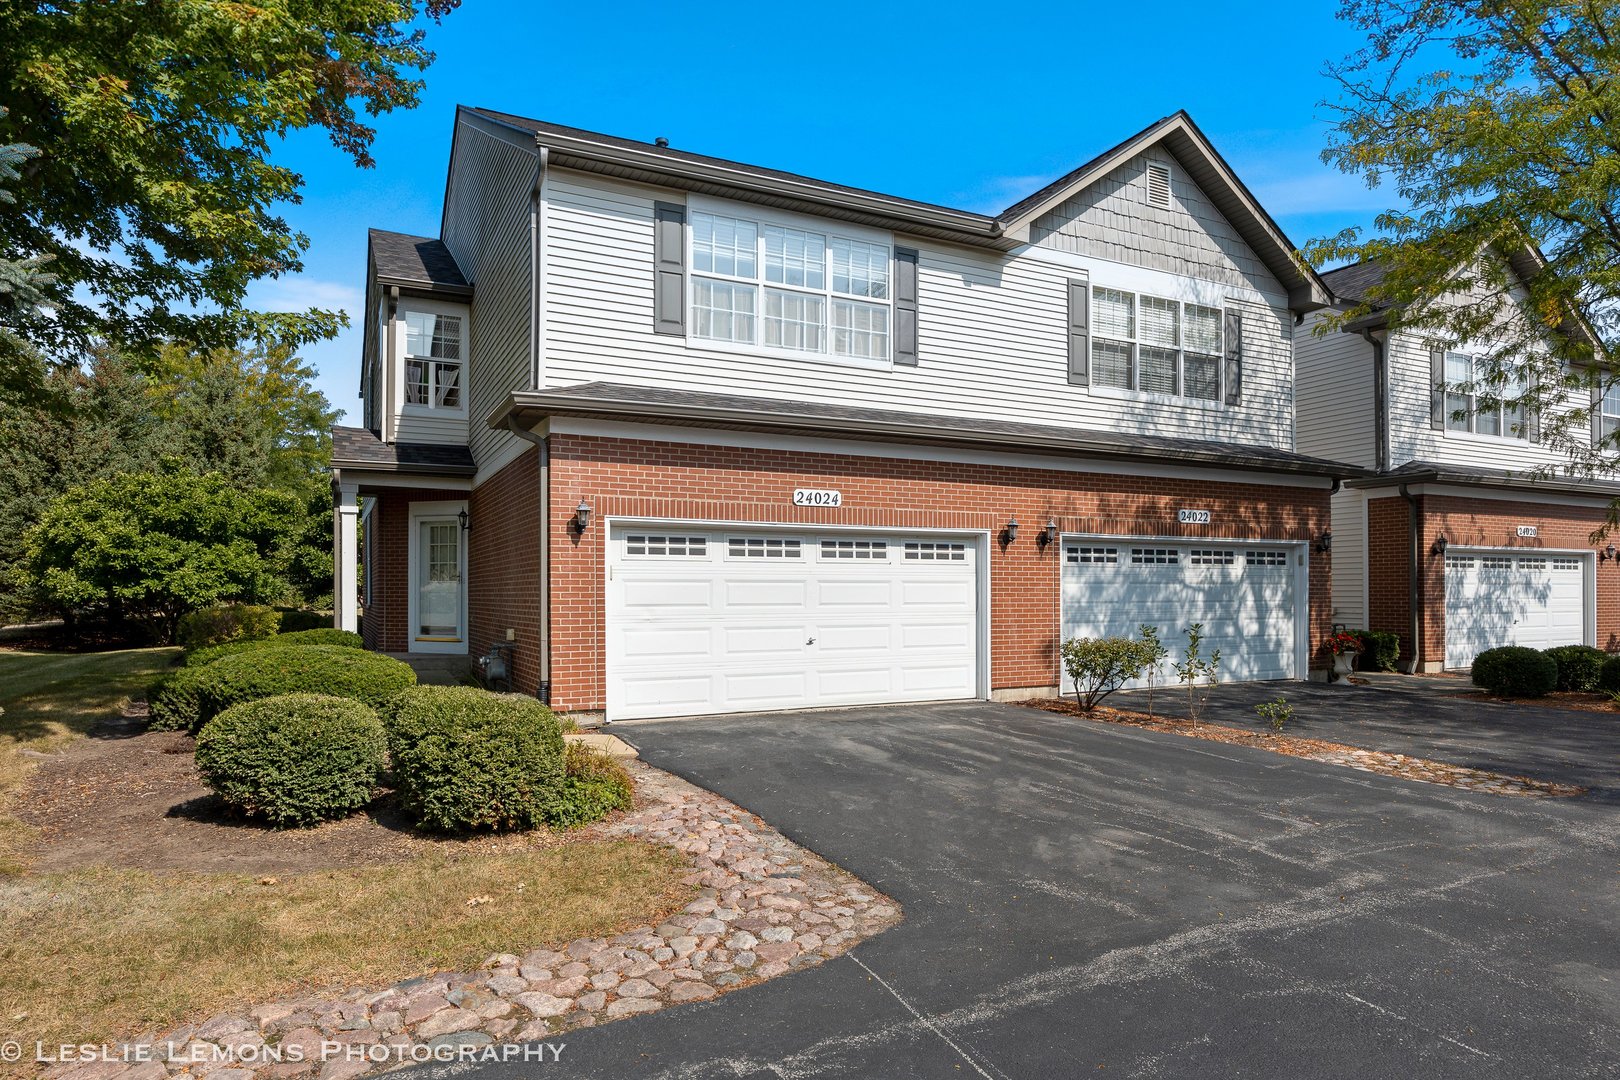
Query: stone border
[(766, 907)]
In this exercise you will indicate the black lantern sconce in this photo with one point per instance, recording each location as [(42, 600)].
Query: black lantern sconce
[(582, 517), (1324, 543), (1440, 545), (1048, 535), (466, 522), (1607, 554), (1009, 532)]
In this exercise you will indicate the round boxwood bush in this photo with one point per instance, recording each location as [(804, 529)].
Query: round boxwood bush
[(294, 759), (175, 700), (367, 677), (1609, 676), (465, 758), (1578, 666), (1514, 671), (322, 636), (594, 786)]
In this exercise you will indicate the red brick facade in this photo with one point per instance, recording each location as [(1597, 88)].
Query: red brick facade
[(624, 478), (503, 566), (386, 626), (1476, 523)]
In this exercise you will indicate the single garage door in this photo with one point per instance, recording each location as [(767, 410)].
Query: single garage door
[(704, 620), (1502, 599), (1246, 596)]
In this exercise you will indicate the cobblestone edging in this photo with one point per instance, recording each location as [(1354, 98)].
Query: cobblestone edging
[(766, 907)]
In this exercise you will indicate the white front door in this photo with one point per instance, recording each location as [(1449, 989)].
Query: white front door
[(706, 620), (1246, 595), (1504, 598), (438, 602)]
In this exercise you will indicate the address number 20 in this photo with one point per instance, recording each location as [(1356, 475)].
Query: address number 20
[(817, 497)]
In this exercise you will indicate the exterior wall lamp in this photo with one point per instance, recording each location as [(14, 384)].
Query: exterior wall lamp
[(1010, 533), (1607, 554), (1440, 545), (1047, 535), (1324, 543), (582, 517), (466, 522)]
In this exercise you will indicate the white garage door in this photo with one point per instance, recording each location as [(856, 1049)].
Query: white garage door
[(704, 620), (1500, 599), (1245, 596)]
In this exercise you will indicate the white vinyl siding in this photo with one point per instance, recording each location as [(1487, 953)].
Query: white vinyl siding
[(430, 372), (1336, 395), (992, 335)]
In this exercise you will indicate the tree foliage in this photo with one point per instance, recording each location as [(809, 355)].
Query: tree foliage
[(152, 188), (1497, 123), (158, 545)]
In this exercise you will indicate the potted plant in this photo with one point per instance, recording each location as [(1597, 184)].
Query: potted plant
[(1345, 647)]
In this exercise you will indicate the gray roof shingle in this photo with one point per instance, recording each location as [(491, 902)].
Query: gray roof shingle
[(1353, 282), (359, 448), (415, 260), (1441, 473)]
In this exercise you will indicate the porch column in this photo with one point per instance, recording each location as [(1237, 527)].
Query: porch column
[(346, 554)]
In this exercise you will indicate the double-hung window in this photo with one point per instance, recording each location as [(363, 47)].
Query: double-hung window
[(789, 287), (433, 360), (1154, 345), (1465, 412), (1609, 421)]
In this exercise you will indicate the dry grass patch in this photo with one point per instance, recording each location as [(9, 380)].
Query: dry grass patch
[(102, 954)]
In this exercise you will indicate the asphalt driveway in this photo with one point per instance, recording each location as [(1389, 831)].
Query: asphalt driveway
[(1084, 898)]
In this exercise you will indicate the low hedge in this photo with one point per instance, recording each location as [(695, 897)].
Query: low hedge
[(1609, 676), (293, 619), (1514, 671), (1579, 666), (1380, 650), (227, 622), (594, 785), (175, 700), (346, 639), (466, 758), (294, 759), (367, 677)]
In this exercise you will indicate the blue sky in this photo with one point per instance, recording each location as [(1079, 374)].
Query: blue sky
[(963, 105)]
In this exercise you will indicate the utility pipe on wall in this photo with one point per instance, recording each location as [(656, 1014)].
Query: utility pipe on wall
[(1414, 580)]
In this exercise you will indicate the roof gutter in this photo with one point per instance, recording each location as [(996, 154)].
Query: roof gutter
[(926, 429)]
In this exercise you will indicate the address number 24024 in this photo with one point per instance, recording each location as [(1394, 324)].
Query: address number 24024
[(817, 497)]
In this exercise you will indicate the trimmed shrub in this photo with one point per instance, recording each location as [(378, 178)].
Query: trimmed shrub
[(227, 622), (1609, 676), (321, 636), (1380, 650), (594, 785), (294, 759), (1579, 666), (1514, 671), (295, 619), (465, 758), (176, 700), (367, 677)]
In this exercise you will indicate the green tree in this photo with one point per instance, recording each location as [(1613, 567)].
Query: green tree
[(154, 546), (153, 188), (1497, 122)]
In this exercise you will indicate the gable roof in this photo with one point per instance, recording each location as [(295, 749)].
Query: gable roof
[(415, 262), (589, 151)]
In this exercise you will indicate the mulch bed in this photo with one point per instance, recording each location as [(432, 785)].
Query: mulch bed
[(132, 799), (1558, 699), (1403, 766)]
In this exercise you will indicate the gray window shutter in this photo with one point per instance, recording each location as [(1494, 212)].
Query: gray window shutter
[(1437, 389), (1532, 422), (905, 306), (1079, 333), (1234, 358), (1597, 413), (669, 269)]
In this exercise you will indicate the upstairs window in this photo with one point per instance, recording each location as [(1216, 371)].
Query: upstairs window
[(433, 360), (1609, 421), (1155, 346), (789, 288), (1463, 409)]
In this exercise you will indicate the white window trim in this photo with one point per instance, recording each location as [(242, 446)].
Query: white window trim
[(1482, 437), (1121, 393), (761, 218), (423, 307)]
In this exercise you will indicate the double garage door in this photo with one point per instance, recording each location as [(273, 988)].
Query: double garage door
[(704, 620), (1500, 598), (1248, 597)]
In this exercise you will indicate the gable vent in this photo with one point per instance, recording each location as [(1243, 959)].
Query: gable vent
[(1158, 183)]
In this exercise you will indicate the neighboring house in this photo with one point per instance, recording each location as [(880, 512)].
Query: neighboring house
[(700, 436), (1455, 543)]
